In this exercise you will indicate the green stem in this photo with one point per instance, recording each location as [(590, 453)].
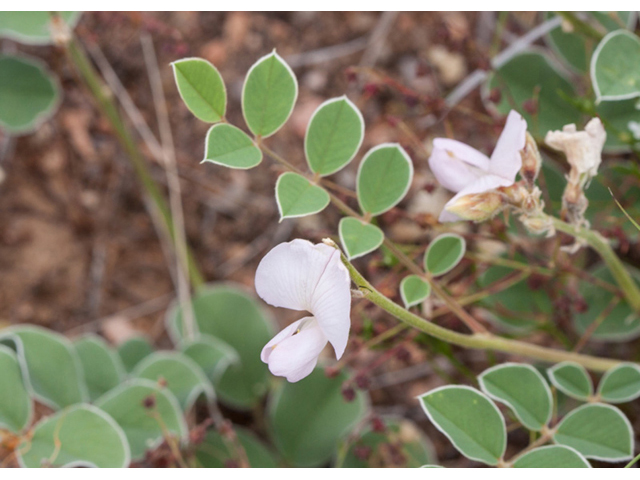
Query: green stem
[(632, 462), (600, 244), (480, 341), (102, 96)]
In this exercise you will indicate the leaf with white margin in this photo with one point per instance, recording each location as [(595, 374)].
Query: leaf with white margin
[(33, 28), (334, 136), (414, 290), (54, 371), (242, 385), (552, 456), (359, 238), (126, 405), (29, 94), (212, 355), (597, 431), (133, 350), (523, 389), (620, 384), (384, 178), (269, 95), (201, 88), (444, 253), (184, 377), (615, 67), (571, 379), (308, 418), (469, 419), (80, 435), (298, 197), (16, 408), (229, 146), (102, 367)]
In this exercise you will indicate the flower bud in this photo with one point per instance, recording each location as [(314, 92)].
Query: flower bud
[(477, 206), (531, 161)]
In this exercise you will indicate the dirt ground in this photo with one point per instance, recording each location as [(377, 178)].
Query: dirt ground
[(77, 246)]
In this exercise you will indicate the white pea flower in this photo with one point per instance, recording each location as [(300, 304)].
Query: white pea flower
[(582, 148), (466, 171), (302, 276)]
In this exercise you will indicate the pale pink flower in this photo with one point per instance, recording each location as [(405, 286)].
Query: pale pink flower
[(302, 276), (466, 171)]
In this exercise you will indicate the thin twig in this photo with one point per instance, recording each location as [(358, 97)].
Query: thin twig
[(173, 181)]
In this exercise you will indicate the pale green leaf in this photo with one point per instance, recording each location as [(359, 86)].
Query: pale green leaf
[(136, 406), (201, 88), (523, 389), (571, 379), (54, 372), (29, 94), (552, 456), (615, 66), (230, 314), (384, 178), (620, 384), (414, 290), (359, 238), (81, 435), (212, 355), (133, 350), (33, 28), (597, 431), (229, 146), (298, 197), (334, 135), (182, 376), (444, 253), (469, 419), (102, 367), (269, 94), (16, 407)]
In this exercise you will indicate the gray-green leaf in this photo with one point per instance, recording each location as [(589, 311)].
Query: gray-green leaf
[(571, 379), (183, 377), (102, 367), (615, 66), (469, 419), (269, 94), (133, 350), (33, 28), (384, 178), (81, 435), (359, 238), (597, 431), (523, 389), (444, 253), (201, 88), (298, 197), (16, 407), (212, 355), (54, 371), (29, 94), (229, 146), (308, 418), (334, 135), (552, 456), (130, 405), (214, 451), (414, 290), (620, 384)]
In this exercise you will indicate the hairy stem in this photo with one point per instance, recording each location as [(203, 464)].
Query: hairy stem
[(480, 341)]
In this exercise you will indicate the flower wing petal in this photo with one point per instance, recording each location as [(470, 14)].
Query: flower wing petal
[(455, 164), (296, 356), (505, 159)]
